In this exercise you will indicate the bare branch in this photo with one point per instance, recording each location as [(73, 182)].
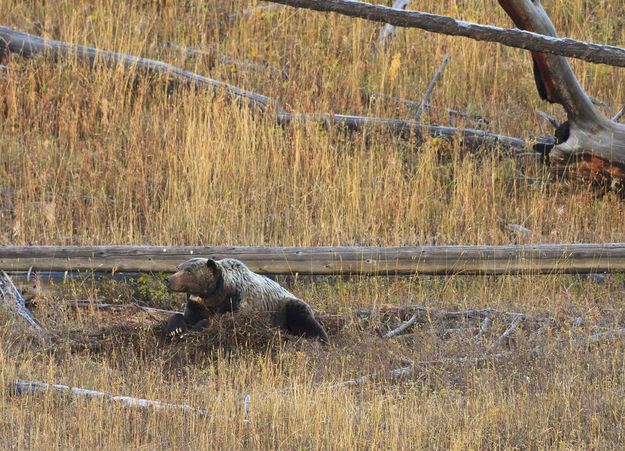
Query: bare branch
[(14, 300), (430, 88), (594, 53), (403, 327), (509, 331), (483, 328)]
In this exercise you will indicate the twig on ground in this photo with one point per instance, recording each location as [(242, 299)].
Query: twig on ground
[(14, 300), (403, 327), (509, 331), (430, 88), (21, 387)]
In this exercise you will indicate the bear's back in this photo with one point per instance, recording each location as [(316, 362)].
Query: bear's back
[(256, 292)]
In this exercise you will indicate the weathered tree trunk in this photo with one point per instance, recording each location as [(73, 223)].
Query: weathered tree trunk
[(589, 140)]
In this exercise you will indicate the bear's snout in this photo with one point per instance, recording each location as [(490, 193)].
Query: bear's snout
[(167, 282)]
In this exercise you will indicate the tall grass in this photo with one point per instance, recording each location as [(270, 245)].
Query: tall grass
[(99, 157), (94, 157)]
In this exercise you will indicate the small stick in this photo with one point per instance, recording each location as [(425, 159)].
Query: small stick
[(430, 88), (509, 331), (13, 298), (21, 387), (552, 120), (619, 115), (403, 327), (483, 327)]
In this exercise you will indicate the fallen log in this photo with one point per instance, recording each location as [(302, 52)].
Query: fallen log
[(402, 260), (547, 43), (27, 46)]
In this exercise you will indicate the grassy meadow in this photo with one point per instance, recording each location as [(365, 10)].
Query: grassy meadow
[(103, 157)]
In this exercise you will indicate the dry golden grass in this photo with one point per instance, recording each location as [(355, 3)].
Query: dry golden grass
[(93, 157)]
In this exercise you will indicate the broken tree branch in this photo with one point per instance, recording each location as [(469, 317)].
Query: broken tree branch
[(388, 30), (509, 331), (403, 327), (21, 387), (28, 45), (430, 88), (618, 115), (483, 328), (594, 53), (13, 299)]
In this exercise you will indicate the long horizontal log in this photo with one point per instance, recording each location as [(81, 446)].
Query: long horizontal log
[(27, 46), (594, 53), (426, 260)]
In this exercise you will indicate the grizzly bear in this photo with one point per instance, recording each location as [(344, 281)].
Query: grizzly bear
[(221, 286)]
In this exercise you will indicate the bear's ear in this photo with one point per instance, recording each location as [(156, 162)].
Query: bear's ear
[(212, 264)]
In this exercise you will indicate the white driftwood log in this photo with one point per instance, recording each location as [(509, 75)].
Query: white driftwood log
[(21, 387)]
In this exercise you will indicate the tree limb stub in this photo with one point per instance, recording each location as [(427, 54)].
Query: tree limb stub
[(594, 53), (27, 46)]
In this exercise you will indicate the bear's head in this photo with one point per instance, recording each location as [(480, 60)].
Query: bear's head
[(198, 276)]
